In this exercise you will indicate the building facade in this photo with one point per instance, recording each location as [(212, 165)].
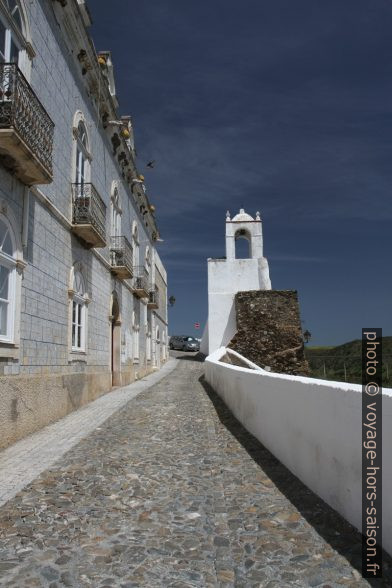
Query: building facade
[(82, 288)]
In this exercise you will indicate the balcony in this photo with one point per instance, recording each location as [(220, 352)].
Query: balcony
[(153, 300), (121, 255), (26, 130), (88, 215), (140, 282)]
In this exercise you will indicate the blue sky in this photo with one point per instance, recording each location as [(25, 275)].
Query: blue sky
[(279, 106)]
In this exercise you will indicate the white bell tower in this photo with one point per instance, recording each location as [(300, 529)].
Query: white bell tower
[(244, 226), (230, 275)]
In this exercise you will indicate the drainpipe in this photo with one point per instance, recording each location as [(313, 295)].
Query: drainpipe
[(25, 227)]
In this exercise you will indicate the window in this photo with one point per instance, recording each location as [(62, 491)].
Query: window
[(148, 258), (7, 282), (136, 329), (148, 341), (164, 345), (116, 213), (147, 264), (79, 313), (135, 243), (10, 26), (82, 167)]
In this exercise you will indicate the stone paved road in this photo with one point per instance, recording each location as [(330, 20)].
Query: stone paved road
[(172, 491), (24, 461)]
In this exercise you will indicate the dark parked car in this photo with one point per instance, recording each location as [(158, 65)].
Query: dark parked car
[(184, 343)]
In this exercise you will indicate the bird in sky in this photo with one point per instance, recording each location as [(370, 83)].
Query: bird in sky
[(151, 164)]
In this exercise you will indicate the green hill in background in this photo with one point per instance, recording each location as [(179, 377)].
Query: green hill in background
[(343, 363)]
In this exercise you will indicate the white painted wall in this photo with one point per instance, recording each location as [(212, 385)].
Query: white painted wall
[(226, 277), (312, 426), (230, 275)]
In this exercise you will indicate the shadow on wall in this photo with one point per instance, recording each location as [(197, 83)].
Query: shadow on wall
[(334, 529)]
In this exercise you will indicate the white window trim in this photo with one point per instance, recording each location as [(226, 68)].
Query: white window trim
[(78, 353), (80, 300), (10, 36), (116, 214), (21, 37), (82, 158), (9, 344), (9, 263), (85, 150), (135, 244), (148, 346), (147, 258), (136, 344), (135, 339)]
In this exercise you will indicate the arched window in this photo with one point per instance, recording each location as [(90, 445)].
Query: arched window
[(7, 281), (11, 32), (116, 213), (242, 244), (148, 341), (148, 258), (135, 329), (82, 164), (135, 244), (79, 312)]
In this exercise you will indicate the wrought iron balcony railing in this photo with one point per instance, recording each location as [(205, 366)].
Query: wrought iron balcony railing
[(26, 130), (140, 282), (121, 256), (88, 214)]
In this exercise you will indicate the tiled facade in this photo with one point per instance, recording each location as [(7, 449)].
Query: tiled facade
[(44, 376)]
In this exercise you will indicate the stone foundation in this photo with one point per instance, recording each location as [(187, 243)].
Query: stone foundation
[(30, 402), (269, 330)]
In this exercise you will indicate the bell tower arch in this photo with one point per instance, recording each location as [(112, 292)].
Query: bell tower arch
[(243, 226)]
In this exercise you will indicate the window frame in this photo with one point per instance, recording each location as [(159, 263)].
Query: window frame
[(78, 306), (148, 342), (12, 31), (79, 301), (116, 213), (19, 34), (135, 339), (82, 160), (9, 38), (10, 263), (80, 172), (135, 245)]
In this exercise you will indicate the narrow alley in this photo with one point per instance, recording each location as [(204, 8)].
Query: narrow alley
[(170, 490)]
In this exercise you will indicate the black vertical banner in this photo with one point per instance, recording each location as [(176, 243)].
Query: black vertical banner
[(372, 453)]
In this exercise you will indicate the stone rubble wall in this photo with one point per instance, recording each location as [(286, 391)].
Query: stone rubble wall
[(269, 330)]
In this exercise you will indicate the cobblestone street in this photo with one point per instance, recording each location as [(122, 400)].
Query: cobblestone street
[(171, 491)]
